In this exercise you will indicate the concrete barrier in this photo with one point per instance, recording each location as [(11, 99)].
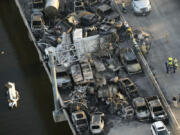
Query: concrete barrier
[(31, 36)]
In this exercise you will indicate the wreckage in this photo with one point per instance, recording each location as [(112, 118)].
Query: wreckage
[(79, 51)]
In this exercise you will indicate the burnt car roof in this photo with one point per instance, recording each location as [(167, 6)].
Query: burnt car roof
[(139, 101), (129, 54), (104, 7)]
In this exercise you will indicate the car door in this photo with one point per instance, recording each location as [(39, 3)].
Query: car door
[(153, 130)]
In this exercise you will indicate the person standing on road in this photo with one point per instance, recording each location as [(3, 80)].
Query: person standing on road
[(123, 6), (169, 64), (175, 65)]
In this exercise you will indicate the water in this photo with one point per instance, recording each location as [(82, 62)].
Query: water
[(20, 64)]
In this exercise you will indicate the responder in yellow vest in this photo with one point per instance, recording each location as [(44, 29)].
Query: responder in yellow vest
[(175, 65), (170, 61), (130, 32), (123, 7), (169, 64)]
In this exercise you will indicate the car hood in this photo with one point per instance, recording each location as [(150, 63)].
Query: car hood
[(63, 80), (143, 114), (142, 3), (134, 68)]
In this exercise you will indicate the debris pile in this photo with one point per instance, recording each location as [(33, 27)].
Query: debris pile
[(86, 42)]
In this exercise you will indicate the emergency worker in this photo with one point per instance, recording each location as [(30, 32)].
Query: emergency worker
[(169, 64), (123, 6), (175, 65)]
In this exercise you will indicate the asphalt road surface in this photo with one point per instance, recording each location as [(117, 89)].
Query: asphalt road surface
[(164, 25), (20, 64)]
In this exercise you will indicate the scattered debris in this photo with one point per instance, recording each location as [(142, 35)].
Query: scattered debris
[(85, 39)]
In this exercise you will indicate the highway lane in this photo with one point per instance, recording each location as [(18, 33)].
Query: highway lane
[(163, 20)]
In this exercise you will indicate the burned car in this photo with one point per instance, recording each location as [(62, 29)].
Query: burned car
[(97, 123), (76, 73), (63, 79), (38, 5), (87, 18), (156, 109), (128, 112), (128, 88), (107, 12), (79, 120), (37, 23), (130, 61), (141, 110)]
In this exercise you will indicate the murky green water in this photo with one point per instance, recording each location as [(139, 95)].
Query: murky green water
[(20, 64)]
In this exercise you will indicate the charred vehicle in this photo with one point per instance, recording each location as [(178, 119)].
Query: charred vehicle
[(129, 88), (63, 79), (38, 5), (129, 61), (141, 110), (107, 13), (79, 120), (37, 24), (97, 123), (156, 109)]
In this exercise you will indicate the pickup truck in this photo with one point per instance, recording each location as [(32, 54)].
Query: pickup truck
[(156, 109)]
